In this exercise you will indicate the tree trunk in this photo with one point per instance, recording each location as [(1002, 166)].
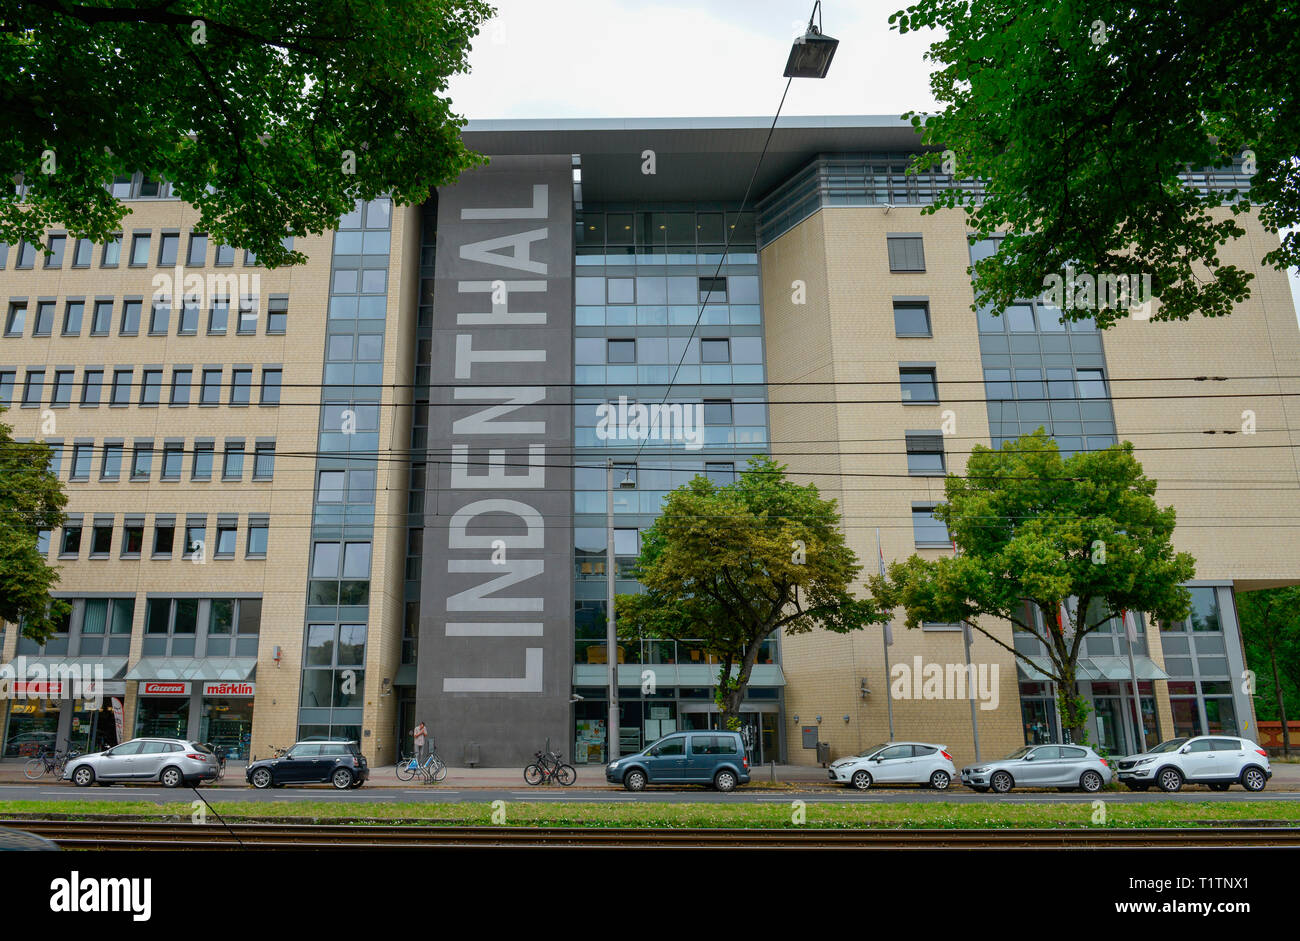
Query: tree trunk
[(1074, 711), (1281, 706), (731, 693)]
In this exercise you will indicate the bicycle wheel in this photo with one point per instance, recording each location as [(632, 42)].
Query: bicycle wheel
[(438, 770), (406, 769), (566, 774), (533, 774), (35, 768)]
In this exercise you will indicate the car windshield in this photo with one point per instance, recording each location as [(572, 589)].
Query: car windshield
[(872, 750), (1019, 753), (1172, 745)]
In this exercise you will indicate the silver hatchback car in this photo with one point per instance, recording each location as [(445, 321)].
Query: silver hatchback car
[(1062, 766), (170, 761)]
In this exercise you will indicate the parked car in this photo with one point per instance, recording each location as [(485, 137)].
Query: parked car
[(170, 761), (1063, 766), (333, 762), (711, 758), (22, 841), (1217, 760), (896, 763)]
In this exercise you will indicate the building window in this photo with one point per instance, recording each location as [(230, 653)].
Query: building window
[(26, 255), (277, 314), (715, 351), (717, 411), (911, 319), (121, 392), (189, 324), (72, 314), (198, 250), (102, 321), (925, 454), (167, 247), (91, 384), (241, 386), (906, 253), (264, 461), (173, 459), (142, 460), (63, 381), (620, 351), (112, 255), (44, 324), (271, 386), (132, 537), (139, 250), (247, 315), (232, 462), (34, 388), (110, 467), (151, 386), (196, 538), (713, 291), (926, 530), (225, 256), (210, 394), (159, 315), (70, 545), (54, 257), (164, 536), (218, 316), (81, 253), (101, 538), (918, 384), (722, 473), (181, 379), (227, 538), (130, 318), (1092, 384), (82, 454), (6, 387), (330, 487), (257, 539), (16, 320)]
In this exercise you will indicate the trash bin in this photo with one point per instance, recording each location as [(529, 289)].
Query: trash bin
[(823, 753), (471, 754)]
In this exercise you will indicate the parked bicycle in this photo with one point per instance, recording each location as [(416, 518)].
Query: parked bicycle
[(550, 766), (220, 752), (431, 770), (48, 762)]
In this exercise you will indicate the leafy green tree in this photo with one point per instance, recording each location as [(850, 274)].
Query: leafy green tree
[(271, 118), (1270, 630), (731, 565), (31, 500), (1080, 115), (1034, 530)]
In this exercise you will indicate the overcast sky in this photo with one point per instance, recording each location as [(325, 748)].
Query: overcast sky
[(690, 58)]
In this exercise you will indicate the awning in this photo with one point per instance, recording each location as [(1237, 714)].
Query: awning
[(1093, 669), (1041, 671), (112, 666), (194, 668), (673, 674)]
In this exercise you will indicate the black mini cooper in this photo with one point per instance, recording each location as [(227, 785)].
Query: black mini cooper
[(338, 763)]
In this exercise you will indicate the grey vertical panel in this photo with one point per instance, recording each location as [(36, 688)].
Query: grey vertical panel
[(496, 644)]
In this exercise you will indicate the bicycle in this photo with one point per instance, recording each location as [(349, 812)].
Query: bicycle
[(47, 762), (432, 769), (550, 766), (221, 759)]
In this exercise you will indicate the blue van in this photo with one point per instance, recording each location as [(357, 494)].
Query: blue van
[(715, 759)]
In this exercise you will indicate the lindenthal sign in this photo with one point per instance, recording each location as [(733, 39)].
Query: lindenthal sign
[(496, 608)]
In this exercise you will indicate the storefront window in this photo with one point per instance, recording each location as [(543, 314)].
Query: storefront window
[(33, 723), (1038, 713), (93, 729), (162, 716), (227, 723)]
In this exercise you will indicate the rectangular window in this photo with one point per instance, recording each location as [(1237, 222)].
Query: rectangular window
[(277, 314), (103, 319), (911, 319), (6, 386), (722, 473), (173, 458), (26, 255), (918, 384), (189, 324), (925, 454), (54, 257), (130, 318), (264, 461), (250, 258), (717, 411), (247, 315), (232, 462), (16, 320), (198, 250), (196, 537), (164, 537), (1092, 384), (133, 537), (257, 533), (241, 386), (101, 538), (160, 316), (44, 324), (620, 351), (151, 386), (121, 393), (167, 248), (72, 315), (34, 388), (225, 256), (713, 291), (714, 350), (63, 381), (70, 545), (210, 394), (112, 252), (181, 379), (81, 254), (271, 386), (330, 487), (82, 454), (906, 253), (142, 460), (218, 316), (139, 250), (91, 384), (926, 530), (111, 466), (202, 466), (227, 539)]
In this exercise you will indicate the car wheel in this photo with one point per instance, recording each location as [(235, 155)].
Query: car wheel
[(1170, 780), (1218, 787), (1253, 779), (940, 780), (84, 776), (1002, 782), (262, 778), (861, 780), (341, 779), (725, 780), (634, 780), (171, 777), (1091, 782)]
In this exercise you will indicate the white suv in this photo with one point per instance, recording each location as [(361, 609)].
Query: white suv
[(1217, 760)]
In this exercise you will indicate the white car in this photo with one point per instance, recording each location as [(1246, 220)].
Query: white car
[(896, 763), (1217, 760)]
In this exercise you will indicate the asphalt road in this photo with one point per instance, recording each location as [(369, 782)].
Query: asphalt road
[(435, 793)]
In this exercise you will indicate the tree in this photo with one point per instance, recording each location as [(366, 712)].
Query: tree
[(1034, 531), (270, 118), (730, 565), (31, 500), (1080, 116), (1270, 630)]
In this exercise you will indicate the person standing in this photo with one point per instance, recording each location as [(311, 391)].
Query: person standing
[(421, 741)]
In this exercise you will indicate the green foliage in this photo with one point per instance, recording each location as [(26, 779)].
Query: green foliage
[(250, 124), (31, 499), (1034, 528), (732, 564), (1270, 631), (1080, 116)]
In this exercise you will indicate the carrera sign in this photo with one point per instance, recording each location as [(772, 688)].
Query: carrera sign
[(164, 689), (227, 689)]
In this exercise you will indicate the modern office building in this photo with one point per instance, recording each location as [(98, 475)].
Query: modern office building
[(392, 508)]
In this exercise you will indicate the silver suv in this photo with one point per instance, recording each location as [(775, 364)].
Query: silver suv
[(1217, 760), (171, 761)]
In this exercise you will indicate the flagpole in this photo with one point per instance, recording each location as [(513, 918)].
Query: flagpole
[(970, 676), (887, 639), (1130, 630)]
